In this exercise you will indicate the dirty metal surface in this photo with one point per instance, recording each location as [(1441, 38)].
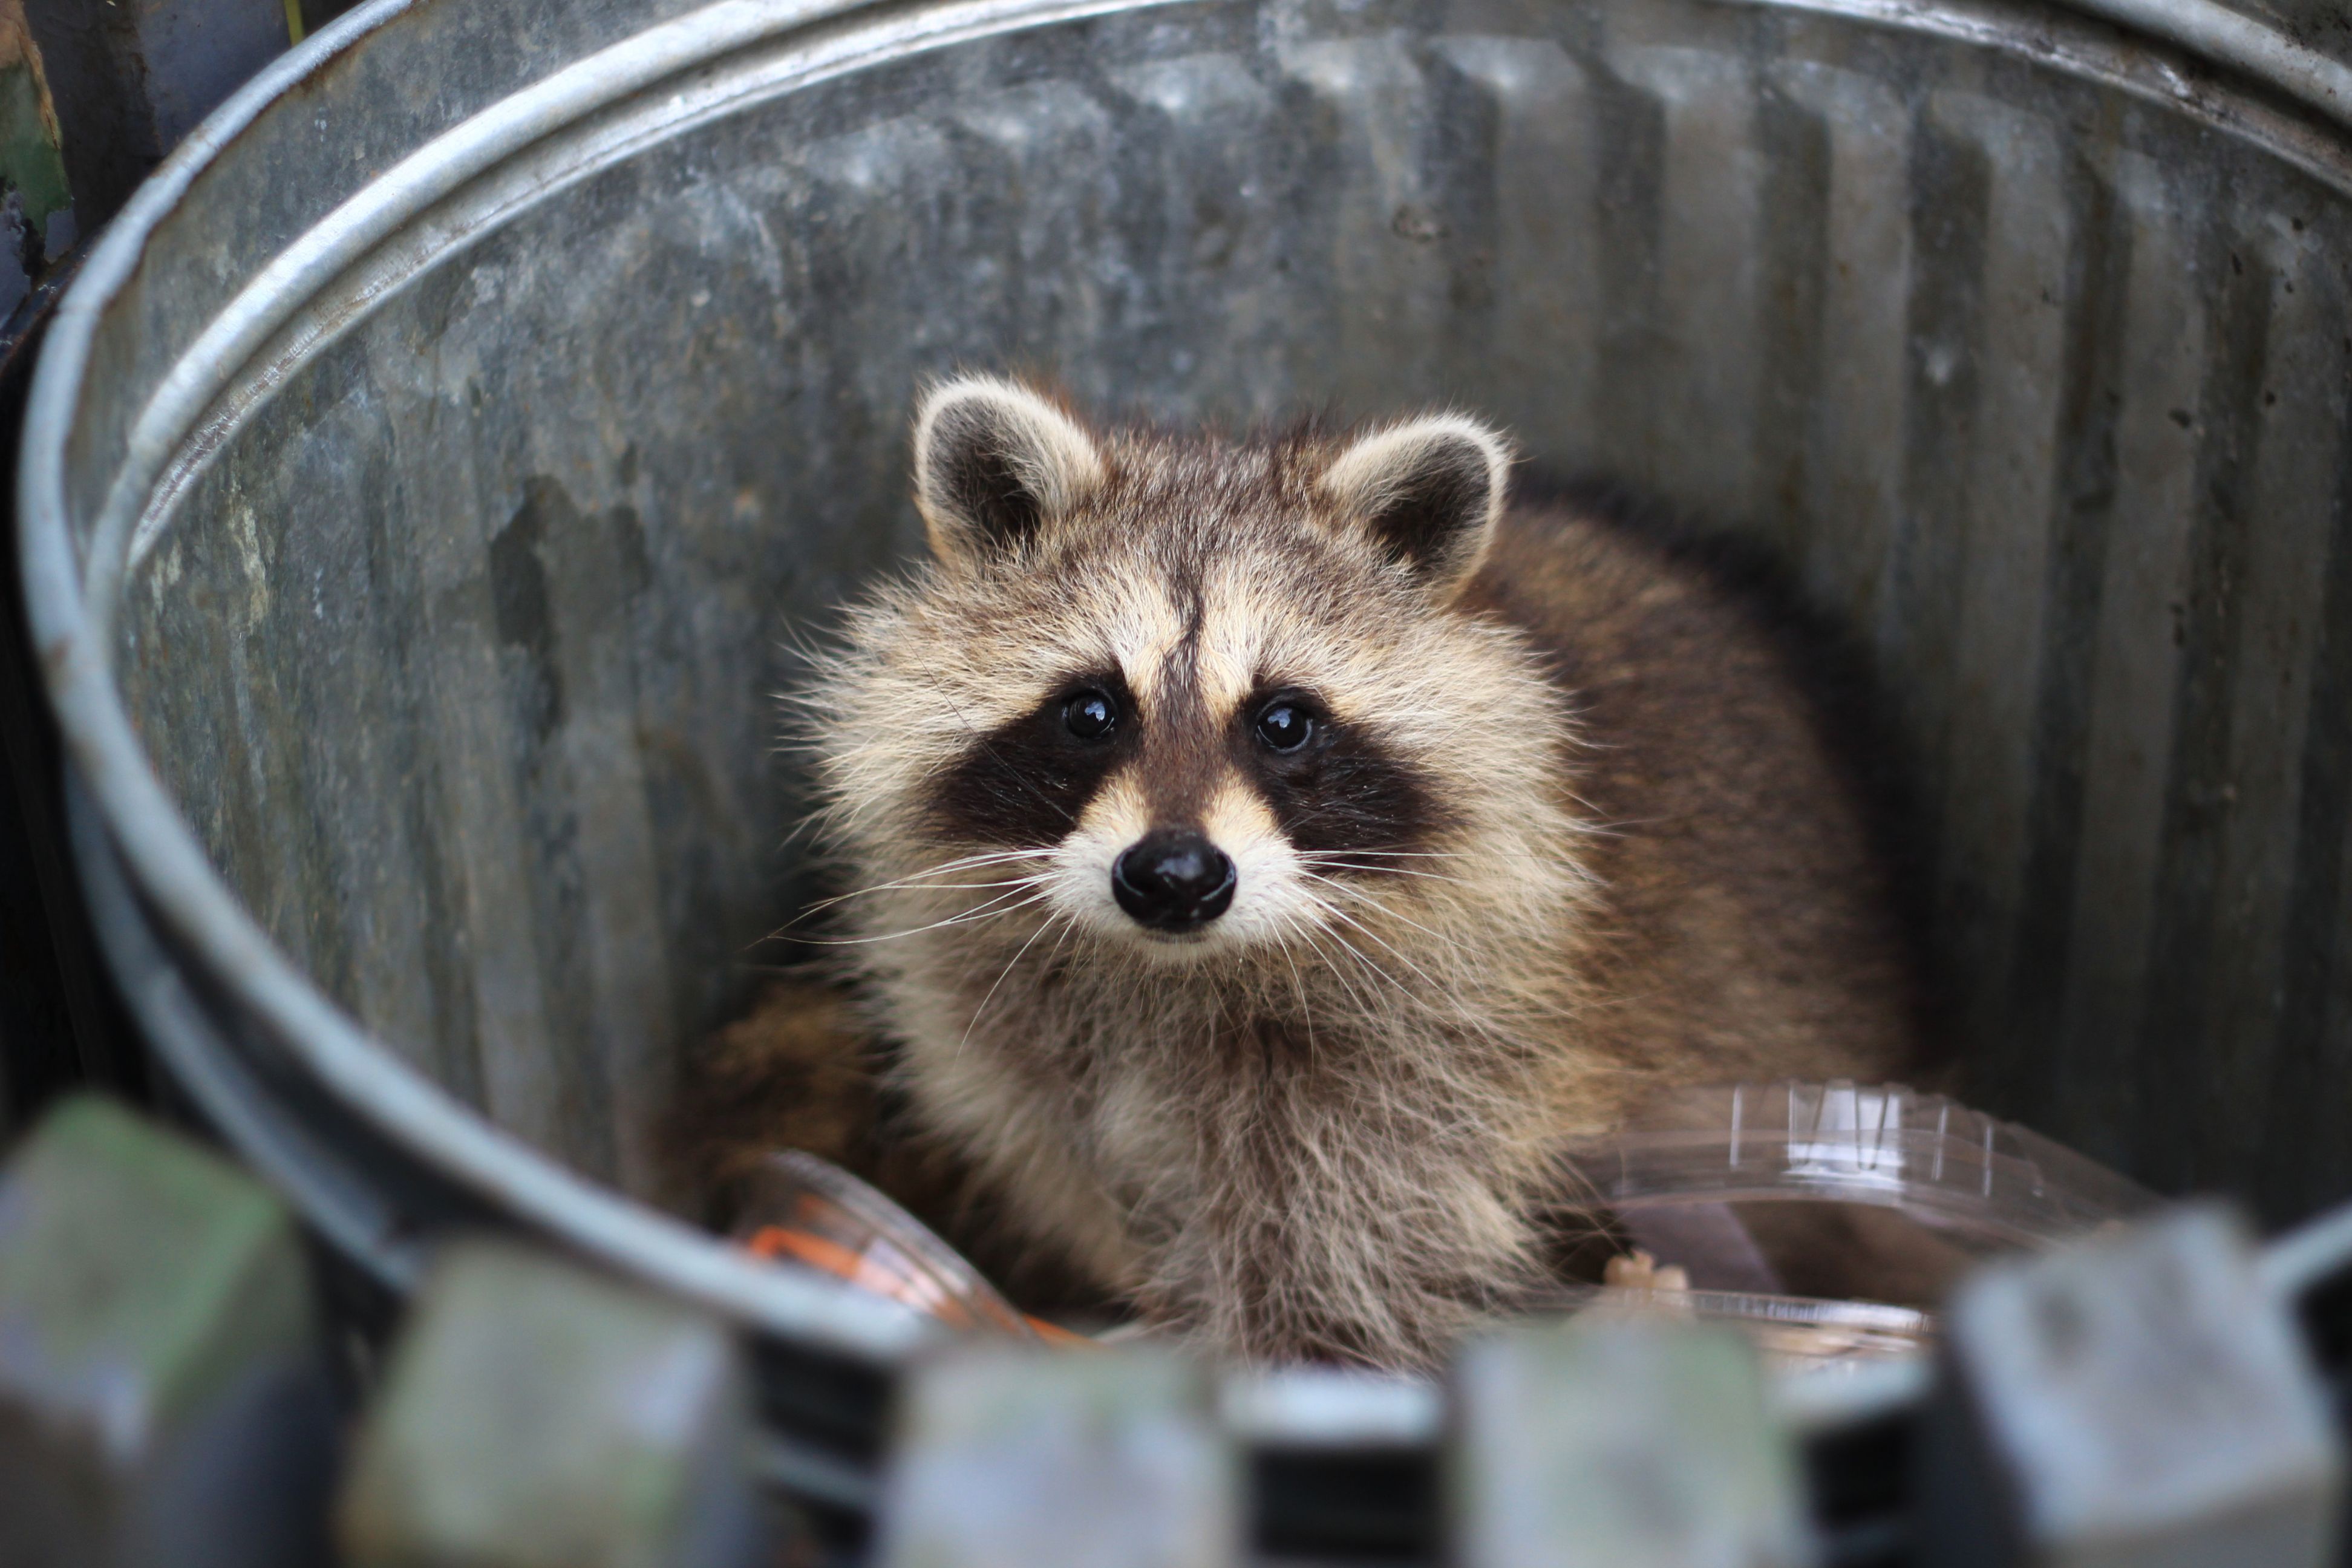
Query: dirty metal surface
[(535, 1413), (445, 451), (2143, 1398)]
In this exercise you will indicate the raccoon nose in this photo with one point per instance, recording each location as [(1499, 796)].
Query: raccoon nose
[(1172, 879)]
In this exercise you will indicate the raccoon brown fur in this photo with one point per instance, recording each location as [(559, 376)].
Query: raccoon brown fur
[(1261, 849)]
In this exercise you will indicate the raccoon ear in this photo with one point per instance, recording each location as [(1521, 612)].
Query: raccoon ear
[(1428, 492), (994, 461)]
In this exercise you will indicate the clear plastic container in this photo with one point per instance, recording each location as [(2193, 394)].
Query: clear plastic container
[(1827, 1220), (1885, 1145)]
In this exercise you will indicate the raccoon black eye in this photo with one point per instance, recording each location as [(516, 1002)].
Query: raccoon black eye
[(1285, 726), (1091, 715)]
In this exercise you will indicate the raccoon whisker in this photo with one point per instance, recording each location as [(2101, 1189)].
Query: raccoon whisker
[(1427, 978), (941, 869), (1371, 971), (1055, 952), (1317, 936), (1612, 830), (1374, 972), (1001, 863), (1357, 858), (916, 879), (907, 886), (1392, 854), (1305, 1013), (973, 862), (917, 885), (1330, 964), (967, 918), (987, 910), (1363, 897), (1344, 863), (1057, 918), (1361, 957)]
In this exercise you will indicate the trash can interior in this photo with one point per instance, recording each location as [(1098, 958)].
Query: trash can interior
[(456, 626)]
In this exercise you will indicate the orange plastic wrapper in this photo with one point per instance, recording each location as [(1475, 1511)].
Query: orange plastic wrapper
[(805, 1212)]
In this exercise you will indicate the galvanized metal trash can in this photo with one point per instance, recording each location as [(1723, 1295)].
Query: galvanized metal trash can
[(429, 468)]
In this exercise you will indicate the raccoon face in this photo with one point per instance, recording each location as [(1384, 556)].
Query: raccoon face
[(1193, 694)]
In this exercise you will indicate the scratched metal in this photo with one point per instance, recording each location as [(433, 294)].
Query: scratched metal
[(448, 598)]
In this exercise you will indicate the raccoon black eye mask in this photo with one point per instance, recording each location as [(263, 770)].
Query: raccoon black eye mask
[(1265, 845)]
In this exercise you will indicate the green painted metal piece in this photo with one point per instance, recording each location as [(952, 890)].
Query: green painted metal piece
[(141, 1278), (538, 1415), (1007, 1457), (1619, 1445)]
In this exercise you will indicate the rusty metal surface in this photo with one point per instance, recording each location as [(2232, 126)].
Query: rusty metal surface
[(425, 478)]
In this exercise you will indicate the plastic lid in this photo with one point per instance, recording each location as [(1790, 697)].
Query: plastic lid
[(1885, 1145)]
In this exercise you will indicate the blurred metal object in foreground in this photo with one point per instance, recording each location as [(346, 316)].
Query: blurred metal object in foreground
[(1010, 1456), (536, 1416), (161, 1402), (1612, 1442), (2146, 1399)]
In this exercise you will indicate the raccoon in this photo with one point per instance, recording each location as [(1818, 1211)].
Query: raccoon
[(1261, 850)]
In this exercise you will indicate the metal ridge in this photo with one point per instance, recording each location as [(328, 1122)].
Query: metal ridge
[(2250, 47)]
